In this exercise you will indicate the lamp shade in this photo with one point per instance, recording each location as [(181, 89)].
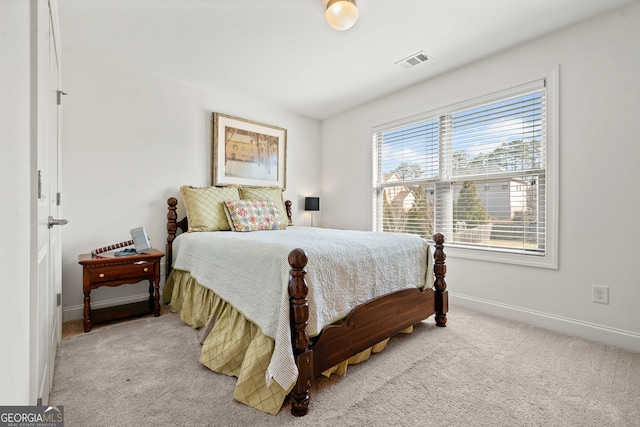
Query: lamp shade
[(312, 203), (341, 14)]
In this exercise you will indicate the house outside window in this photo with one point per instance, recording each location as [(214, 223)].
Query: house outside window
[(478, 172)]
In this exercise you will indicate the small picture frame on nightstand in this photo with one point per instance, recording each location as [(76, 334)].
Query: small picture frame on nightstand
[(141, 240)]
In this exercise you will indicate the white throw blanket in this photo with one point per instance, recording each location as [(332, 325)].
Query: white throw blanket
[(345, 268)]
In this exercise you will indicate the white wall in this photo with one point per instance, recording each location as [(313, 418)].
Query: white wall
[(130, 140), (599, 65)]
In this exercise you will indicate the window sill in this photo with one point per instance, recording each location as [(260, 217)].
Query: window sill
[(485, 254)]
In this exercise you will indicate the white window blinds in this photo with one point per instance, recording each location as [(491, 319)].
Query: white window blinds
[(475, 172)]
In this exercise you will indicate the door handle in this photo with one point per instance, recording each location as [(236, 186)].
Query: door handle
[(53, 221)]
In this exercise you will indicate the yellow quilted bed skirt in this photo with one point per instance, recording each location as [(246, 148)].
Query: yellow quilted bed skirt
[(235, 346)]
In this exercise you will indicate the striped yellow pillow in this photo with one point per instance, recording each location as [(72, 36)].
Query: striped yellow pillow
[(205, 207)]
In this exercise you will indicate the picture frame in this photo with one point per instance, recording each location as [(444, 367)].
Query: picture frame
[(248, 153)]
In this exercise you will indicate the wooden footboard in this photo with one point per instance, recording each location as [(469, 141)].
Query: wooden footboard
[(365, 326)]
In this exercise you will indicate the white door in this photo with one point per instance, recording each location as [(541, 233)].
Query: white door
[(47, 295)]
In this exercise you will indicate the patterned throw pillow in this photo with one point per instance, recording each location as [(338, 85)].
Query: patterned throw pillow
[(266, 193), (205, 207), (255, 215)]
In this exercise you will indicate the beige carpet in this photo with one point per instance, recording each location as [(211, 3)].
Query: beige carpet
[(478, 371)]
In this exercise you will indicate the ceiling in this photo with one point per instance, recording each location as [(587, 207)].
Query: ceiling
[(283, 54)]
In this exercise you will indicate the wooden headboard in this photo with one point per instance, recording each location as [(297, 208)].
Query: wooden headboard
[(173, 225)]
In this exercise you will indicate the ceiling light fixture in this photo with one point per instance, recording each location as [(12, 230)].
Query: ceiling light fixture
[(341, 14)]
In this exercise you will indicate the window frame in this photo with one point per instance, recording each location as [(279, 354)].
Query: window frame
[(551, 81)]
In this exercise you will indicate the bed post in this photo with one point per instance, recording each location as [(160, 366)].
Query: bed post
[(172, 227), (299, 315), (440, 270), (287, 205)]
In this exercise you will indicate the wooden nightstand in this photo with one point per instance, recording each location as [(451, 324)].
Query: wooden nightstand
[(100, 271)]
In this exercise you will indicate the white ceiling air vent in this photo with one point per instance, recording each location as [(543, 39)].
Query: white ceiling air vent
[(415, 59)]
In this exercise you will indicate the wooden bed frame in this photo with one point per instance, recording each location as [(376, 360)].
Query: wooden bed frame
[(365, 326)]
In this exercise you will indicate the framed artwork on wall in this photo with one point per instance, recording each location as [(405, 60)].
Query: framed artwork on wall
[(248, 153)]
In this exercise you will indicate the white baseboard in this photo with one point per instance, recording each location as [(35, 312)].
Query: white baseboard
[(74, 312), (617, 337)]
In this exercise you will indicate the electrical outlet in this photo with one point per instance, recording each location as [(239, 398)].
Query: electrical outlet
[(600, 294)]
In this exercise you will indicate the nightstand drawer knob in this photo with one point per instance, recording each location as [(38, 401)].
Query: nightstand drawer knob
[(146, 269), (101, 275)]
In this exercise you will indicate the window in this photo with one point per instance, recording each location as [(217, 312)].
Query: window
[(478, 172)]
